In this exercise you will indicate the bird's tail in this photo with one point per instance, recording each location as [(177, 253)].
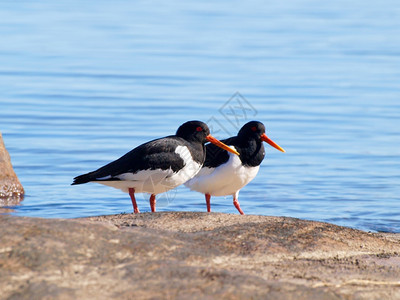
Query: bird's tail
[(83, 178)]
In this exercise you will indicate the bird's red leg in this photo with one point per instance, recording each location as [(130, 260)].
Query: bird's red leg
[(208, 197), (153, 202), (132, 194), (237, 205)]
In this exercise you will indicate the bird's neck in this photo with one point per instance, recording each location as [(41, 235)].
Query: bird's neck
[(252, 152), (198, 151)]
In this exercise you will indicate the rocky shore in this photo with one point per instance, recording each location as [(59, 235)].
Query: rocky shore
[(183, 255)]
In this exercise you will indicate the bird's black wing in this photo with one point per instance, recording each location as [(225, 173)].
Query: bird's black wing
[(156, 154)]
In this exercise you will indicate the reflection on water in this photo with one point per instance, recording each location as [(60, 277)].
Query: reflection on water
[(82, 84)]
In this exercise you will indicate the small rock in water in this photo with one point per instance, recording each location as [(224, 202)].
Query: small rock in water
[(11, 190)]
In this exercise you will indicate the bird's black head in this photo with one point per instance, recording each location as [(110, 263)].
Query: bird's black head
[(252, 130), (255, 130), (194, 131)]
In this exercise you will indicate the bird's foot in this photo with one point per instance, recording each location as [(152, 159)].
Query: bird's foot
[(134, 204), (153, 202), (208, 202), (237, 205)]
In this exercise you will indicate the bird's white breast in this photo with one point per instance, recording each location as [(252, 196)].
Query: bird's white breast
[(226, 179), (158, 180)]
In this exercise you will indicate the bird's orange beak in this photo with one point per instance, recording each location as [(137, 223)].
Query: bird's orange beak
[(271, 142), (220, 144)]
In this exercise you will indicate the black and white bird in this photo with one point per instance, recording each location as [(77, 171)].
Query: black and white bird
[(224, 174), (159, 165)]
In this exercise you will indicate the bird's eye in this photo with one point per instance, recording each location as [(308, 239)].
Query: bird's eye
[(254, 128), (199, 129)]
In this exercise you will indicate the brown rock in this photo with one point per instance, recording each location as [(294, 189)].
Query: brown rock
[(177, 255), (11, 190)]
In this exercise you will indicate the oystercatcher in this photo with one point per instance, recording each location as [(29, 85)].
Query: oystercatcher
[(224, 174), (159, 165)]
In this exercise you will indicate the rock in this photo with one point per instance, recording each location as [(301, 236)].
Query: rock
[(183, 255), (11, 190)]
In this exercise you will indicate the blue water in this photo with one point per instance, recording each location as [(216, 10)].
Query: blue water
[(82, 83)]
